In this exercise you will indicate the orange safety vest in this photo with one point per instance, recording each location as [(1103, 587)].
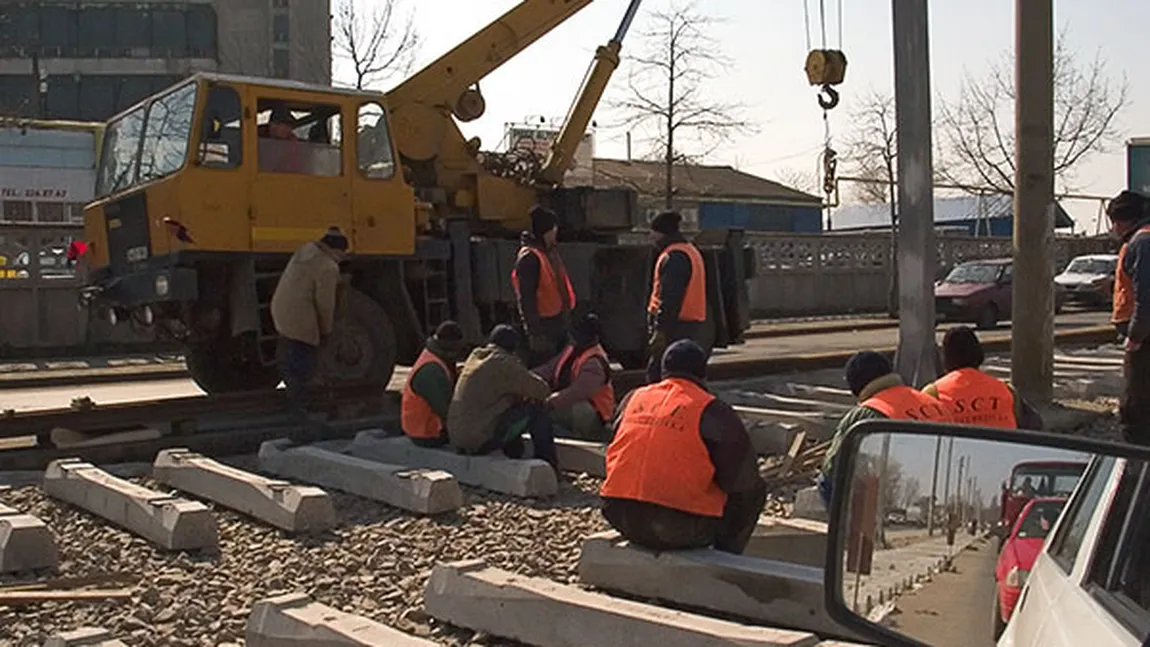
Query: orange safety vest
[(603, 401), (975, 398), (694, 306), (416, 416), (658, 455), (1123, 306), (904, 403), (548, 298)]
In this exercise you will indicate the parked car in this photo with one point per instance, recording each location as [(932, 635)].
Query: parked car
[(1089, 279), (1018, 554), (1090, 583), (980, 292)]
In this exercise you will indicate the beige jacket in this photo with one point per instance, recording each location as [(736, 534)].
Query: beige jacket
[(303, 306), (491, 382)]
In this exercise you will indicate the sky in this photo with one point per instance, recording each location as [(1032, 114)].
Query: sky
[(766, 42)]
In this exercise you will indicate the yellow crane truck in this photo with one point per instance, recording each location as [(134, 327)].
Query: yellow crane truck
[(205, 189)]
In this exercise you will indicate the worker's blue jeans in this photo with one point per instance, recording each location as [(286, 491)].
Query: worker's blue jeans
[(297, 365)]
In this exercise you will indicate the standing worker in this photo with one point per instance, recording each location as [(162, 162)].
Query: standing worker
[(303, 310), (1129, 214), (681, 471), (881, 395), (430, 385), (583, 398), (973, 396), (678, 304), (542, 288)]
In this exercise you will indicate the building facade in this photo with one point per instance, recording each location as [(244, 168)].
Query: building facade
[(986, 215), (87, 60)]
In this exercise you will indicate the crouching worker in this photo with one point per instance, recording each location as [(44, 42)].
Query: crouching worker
[(583, 398), (681, 472), (972, 396), (430, 384), (497, 400), (881, 395)]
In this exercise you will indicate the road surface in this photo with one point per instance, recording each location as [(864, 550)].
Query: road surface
[(24, 399), (953, 609)]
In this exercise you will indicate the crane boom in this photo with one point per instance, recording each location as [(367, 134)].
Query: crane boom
[(579, 116)]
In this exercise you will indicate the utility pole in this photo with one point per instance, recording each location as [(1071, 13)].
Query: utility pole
[(917, 359), (946, 487), (1032, 331), (958, 489), (933, 488), (884, 496)]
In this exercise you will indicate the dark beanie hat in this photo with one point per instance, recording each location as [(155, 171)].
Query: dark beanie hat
[(1127, 206), (543, 220), (865, 367), (586, 329), (448, 331), (667, 222), (961, 349), (335, 239), (685, 357), (505, 337)]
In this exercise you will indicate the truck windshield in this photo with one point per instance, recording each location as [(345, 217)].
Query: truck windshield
[(1045, 480), (974, 273), (148, 143)]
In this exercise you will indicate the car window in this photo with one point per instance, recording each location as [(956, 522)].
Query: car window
[(1039, 519), (1119, 576), (1064, 547)]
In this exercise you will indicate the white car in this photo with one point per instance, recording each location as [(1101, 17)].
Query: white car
[(1090, 585), (1089, 279)]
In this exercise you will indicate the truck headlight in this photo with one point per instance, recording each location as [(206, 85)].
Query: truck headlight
[(162, 285), (1016, 578)]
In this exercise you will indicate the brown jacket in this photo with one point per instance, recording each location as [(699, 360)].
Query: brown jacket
[(491, 382), (303, 306)]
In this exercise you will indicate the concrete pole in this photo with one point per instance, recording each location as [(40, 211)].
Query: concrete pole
[(933, 488), (883, 484), (946, 487), (1032, 332), (917, 360)]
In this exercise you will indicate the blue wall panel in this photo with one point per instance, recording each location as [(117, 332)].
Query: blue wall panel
[(760, 217)]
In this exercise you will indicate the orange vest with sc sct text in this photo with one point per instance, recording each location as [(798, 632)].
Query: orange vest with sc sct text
[(658, 455), (548, 298), (694, 306), (904, 403), (604, 399), (1123, 307), (975, 398), (416, 416)]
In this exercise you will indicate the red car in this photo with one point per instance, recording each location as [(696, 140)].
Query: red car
[(1018, 554)]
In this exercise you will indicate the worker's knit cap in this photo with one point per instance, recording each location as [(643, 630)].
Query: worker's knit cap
[(865, 367), (1127, 206), (335, 239), (586, 329), (685, 358), (961, 349), (449, 336), (505, 337), (667, 222), (543, 220)]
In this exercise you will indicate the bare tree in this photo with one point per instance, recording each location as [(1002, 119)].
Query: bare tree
[(911, 492), (978, 128), (666, 89), (872, 150), (805, 181), (377, 42)]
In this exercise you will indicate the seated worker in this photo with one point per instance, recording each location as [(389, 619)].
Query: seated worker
[(881, 394), (497, 400), (681, 471), (973, 397), (430, 384), (583, 400)]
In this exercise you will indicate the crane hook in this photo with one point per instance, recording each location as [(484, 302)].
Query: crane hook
[(828, 97)]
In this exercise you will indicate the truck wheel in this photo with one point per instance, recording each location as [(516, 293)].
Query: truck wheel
[(221, 368), (362, 348), (988, 317)]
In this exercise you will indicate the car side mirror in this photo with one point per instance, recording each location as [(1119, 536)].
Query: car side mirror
[(889, 585)]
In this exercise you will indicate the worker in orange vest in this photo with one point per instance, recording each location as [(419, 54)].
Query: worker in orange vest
[(543, 290), (881, 395), (583, 398), (681, 471), (973, 396), (430, 385), (678, 304), (1129, 214)]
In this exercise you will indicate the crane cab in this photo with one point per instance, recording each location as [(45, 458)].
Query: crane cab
[(220, 164)]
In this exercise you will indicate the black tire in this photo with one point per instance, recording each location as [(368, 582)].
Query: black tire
[(988, 317), (221, 368), (999, 623), (362, 348)]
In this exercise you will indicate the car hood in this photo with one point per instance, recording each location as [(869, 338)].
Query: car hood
[(960, 289), (1021, 553), (1077, 278)]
